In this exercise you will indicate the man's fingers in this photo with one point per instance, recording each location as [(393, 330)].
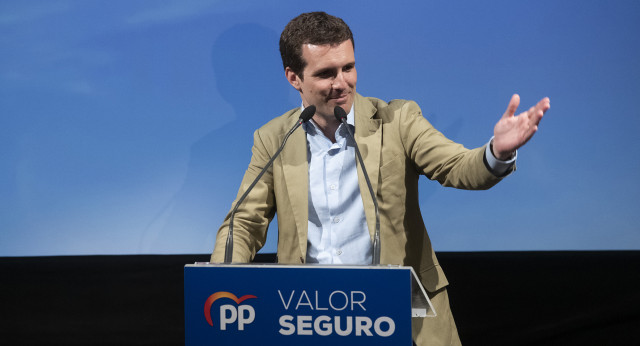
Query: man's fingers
[(538, 111), (544, 104), (512, 107), (531, 114)]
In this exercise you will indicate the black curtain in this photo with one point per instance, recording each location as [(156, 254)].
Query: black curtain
[(498, 298)]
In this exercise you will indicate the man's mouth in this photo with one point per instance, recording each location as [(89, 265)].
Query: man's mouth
[(339, 98)]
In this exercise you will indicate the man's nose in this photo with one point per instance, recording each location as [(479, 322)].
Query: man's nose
[(339, 82)]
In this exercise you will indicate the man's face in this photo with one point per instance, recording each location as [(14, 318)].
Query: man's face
[(329, 79)]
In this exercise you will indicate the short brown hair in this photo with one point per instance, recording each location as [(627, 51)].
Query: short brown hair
[(317, 28)]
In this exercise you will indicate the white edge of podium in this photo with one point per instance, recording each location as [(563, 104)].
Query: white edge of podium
[(420, 303)]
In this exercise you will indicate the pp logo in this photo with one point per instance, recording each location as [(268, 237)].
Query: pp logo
[(241, 313)]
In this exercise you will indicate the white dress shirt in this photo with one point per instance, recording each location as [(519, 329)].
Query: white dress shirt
[(337, 231)]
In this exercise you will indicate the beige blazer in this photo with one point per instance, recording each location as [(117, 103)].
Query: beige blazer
[(397, 144)]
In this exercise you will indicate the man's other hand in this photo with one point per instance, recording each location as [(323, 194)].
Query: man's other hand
[(512, 132)]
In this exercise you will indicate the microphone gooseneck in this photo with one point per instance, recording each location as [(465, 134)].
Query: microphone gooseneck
[(341, 115), (307, 113)]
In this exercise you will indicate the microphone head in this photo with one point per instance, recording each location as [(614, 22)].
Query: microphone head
[(340, 113), (308, 113)]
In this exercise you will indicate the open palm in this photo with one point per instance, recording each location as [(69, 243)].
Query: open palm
[(511, 132)]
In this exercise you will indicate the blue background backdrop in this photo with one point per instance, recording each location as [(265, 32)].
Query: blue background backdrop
[(126, 126)]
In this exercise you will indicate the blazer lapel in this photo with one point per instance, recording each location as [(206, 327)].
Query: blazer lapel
[(368, 135), (295, 169)]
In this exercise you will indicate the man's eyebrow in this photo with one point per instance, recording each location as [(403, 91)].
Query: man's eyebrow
[(324, 71), (331, 70)]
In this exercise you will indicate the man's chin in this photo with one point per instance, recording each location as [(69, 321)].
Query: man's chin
[(345, 103)]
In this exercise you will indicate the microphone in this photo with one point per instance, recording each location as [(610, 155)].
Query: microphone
[(341, 115), (307, 114)]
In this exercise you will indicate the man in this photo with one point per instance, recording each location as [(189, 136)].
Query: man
[(325, 212)]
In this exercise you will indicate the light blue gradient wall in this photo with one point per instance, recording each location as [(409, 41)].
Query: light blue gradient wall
[(125, 126)]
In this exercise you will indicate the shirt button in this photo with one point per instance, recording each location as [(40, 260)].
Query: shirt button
[(333, 186), (336, 220), (338, 252)]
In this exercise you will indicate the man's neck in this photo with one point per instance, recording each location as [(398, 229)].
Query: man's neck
[(328, 126)]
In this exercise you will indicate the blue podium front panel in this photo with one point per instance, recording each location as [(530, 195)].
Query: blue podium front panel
[(301, 305)]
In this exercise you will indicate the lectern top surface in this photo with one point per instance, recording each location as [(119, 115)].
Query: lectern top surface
[(307, 265)]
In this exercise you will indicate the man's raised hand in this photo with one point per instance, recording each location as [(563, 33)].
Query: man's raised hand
[(511, 132)]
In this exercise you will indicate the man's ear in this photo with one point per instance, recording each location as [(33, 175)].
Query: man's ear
[(293, 78)]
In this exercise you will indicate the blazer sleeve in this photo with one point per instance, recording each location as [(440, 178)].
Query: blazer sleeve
[(439, 158), (255, 213)]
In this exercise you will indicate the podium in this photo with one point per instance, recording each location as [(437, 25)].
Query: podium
[(258, 304)]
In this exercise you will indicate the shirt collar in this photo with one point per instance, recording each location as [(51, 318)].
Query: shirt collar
[(311, 126)]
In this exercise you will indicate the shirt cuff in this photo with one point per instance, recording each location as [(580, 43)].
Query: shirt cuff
[(498, 167)]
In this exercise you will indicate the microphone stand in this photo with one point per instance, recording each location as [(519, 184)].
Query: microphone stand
[(341, 115), (307, 113)]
